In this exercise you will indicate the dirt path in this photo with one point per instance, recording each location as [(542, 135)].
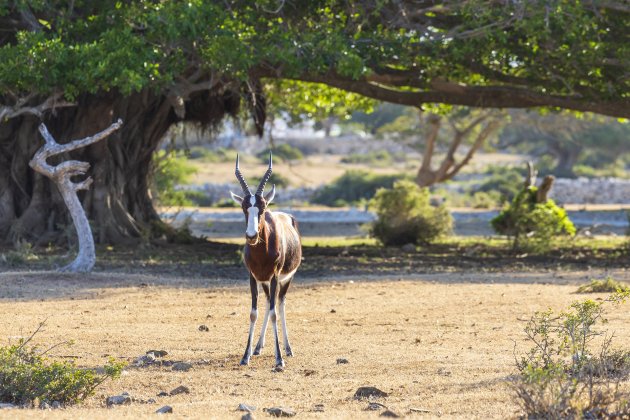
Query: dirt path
[(440, 342)]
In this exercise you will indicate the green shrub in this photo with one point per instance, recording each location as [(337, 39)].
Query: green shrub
[(284, 152), (376, 158), (505, 180), (607, 285), (405, 215), (27, 376), (532, 225), (212, 156), (353, 187), (563, 375), (171, 170)]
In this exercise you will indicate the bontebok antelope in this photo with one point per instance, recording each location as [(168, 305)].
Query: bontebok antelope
[(272, 254)]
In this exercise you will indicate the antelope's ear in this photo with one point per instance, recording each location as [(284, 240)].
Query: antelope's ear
[(236, 198), (271, 194)]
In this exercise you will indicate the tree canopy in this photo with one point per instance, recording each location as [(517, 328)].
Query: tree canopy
[(486, 53)]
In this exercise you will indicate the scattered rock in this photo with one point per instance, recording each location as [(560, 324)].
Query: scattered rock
[(280, 411), (44, 406), (388, 413), (55, 405), (374, 406), (246, 407), (182, 389), (369, 392), (204, 328), (248, 416), (167, 409), (121, 399), (342, 361), (145, 360), (163, 394), (182, 367), (309, 372), (151, 401), (7, 406), (332, 311), (419, 410), (318, 408), (157, 353), (408, 248)]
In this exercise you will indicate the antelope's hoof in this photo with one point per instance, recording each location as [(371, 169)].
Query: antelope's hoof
[(288, 351), (244, 362), (257, 351)]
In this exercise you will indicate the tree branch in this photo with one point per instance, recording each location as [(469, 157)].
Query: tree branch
[(61, 174), (51, 103)]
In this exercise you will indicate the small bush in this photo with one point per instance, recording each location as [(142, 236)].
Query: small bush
[(171, 170), (212, 156), (563, 375), (27, 376), (405, 215), (376, 158), (607, 285), (504, 180), (353, 187), (532, 225), (284, 152)]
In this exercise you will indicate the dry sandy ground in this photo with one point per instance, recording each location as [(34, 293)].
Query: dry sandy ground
[(442, 342)]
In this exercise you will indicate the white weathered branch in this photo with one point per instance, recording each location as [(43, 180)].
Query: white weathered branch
[(61, 174)]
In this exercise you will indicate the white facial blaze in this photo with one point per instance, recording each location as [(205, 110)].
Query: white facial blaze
[(252, 219)]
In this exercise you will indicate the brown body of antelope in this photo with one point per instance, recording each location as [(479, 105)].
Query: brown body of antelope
[(273, 252)]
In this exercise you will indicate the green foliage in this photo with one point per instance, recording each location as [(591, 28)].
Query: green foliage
[(375, 158), (109, 46), (563, 375), (607, 285), (504, 180), (171, 170), (284, 152), (405, 215), (353, 187), (27, 376), (532, 225), (206, 155)]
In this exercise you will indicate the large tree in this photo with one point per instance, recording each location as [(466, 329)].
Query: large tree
[(79, 65)]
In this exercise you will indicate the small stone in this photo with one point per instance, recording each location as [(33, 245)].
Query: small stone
[(204, 328), (121, 399), (157, 353), (388, 413), (408, 248), (163, 394), (145, 360), (369, 392), (246, 407), (167, 409), (248, 416), (280, 411), (374, 406), (182, 367), (151, 401), (7, 406), (318, 408), (342, 361), (332, 311), (180, 390)]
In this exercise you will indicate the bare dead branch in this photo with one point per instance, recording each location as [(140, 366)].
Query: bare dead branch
[(61, 175), (51, 103)]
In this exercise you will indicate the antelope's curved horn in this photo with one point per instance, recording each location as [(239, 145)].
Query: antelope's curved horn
[(261, 187), (241, 180)]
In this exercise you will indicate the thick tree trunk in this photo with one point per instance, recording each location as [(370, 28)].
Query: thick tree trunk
[(119, 204)]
